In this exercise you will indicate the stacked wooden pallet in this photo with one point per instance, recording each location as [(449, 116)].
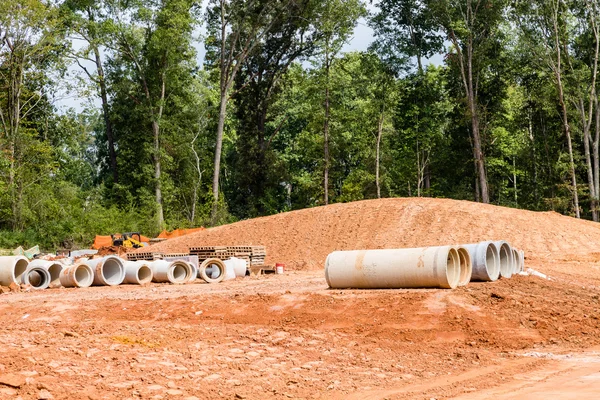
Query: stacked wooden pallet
[(254, 255), (146, 256)]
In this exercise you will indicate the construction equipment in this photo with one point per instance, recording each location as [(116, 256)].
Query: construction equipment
[(128, 240)]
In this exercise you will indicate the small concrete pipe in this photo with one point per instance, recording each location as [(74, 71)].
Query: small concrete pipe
[(212, 270), (170, 271), (12, 269), (505, 255), (137, 273), (37, 277), (428, 267), (195, 272), (466, 266), (485, 261), (78, 275), (53, 267), (108, 271)]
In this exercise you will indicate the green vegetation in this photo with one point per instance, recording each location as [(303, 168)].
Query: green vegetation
[(278, 117)]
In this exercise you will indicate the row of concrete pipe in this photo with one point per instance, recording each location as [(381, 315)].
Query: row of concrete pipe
[(105, 271), (427, 267)]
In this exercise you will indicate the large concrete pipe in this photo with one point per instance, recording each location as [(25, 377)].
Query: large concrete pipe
[(506, 258), (108, 271), (466, 267), (212, 270), (516, 261), (78, 275), (427, 267), (53, 267), (36, 277), (170, 271), (521, 261), (137, 273), (12, 269), (485, 261)]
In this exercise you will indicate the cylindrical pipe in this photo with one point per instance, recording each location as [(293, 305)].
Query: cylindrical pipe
[(521, 261), (36, 277), (12, 269), (194, 274), (170, 271), (108, 271), (485, 263), (506, 258), (427, 267), (516, 262), (53, 267), (466, 266), (137, 273), (212, 270), (78, 275)]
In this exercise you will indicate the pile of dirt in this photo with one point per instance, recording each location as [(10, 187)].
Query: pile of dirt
[(302, 239)]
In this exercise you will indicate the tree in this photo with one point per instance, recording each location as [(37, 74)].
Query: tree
[(336, 22)]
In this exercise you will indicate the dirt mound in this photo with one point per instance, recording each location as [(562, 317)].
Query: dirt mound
[(302, 239)]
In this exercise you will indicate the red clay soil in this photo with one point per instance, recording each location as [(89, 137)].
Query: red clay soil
[(303, 239)]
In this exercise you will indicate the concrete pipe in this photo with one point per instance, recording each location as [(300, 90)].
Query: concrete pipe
[(516, 261), (195, 272), (466, 266), (36, 277), (78, 275), (12, 269), (521, 261), (53, 267), (137, 273), (429, 267), (170, 271), (484, 260), (212, 270), (505, 255), (108, 271)]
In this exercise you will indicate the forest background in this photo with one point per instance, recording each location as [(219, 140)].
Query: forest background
[(279, 118)]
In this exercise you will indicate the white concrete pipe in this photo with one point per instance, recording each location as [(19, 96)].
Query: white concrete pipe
[(78, 275), (521, 261), (53, 267), (108, 271), (506, 258), (466, 266), (428, 267), (516, 261), (485, 261), (212, 270), (12, 269), (36, 277), (137, 273), (170, 271), (195, 272)]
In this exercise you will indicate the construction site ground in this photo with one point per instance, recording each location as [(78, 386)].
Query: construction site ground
[(289, 336)]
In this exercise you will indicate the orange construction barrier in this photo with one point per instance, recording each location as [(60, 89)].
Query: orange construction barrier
[(178, 232)]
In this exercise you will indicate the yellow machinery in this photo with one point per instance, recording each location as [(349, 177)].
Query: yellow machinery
[(128, 240)]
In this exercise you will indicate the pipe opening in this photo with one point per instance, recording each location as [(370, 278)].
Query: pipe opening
[(491, 262), (83, 277), (465, 266), (112, 272), (214, 271), (54, 271), (20, 268), (180, 273), (453, 268), (144, 274), (37, 278), (505, 261)]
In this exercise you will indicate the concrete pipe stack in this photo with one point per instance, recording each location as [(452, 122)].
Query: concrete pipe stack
[(428, 267)]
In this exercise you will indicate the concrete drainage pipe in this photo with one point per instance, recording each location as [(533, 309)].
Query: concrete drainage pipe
[(78, 275), (108, 271), (212, 270), (137, 273), (170, 271), (36, 277), (505, 255), (53, 267), (429, 267), (485, 261), (12, 269), (521, 261), (466, 266)]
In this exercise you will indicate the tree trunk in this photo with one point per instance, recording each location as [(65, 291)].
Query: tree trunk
[(326, 128), (377, 153), (217, 163), (596, 156), (105, 111), (156, 133), (569, 143)]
